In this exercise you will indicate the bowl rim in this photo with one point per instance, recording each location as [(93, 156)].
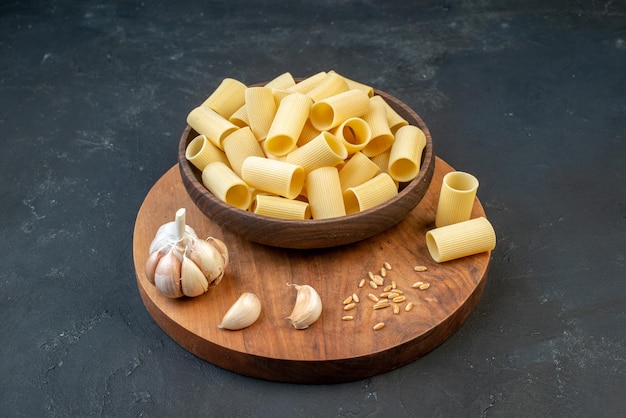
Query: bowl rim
[(191, 178)]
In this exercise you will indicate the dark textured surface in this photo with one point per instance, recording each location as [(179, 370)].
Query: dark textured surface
[(529, 96)]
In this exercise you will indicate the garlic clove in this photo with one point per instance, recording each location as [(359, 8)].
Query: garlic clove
[(307, 309), (221, 248), (208, 259), (151, 264), (243, 313), (167, 276), (192, 280)]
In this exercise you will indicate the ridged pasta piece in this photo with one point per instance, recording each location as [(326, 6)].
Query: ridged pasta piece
[(240, 145), (382, 161), (461, 239), (331, 85), (261, 109), (201, 152), (369, 194), (283, 81), (227, 97), (240, 117), (307, 134), (352, 84), (382, 138), (354, 133), (330, 112), (394, 120), (324, 150), (324, 193), (287, 125), (405, 156), (226, 185), (456, 198), (207, 122), (357, 170), (273, 176), (308, 83), (280, 207)]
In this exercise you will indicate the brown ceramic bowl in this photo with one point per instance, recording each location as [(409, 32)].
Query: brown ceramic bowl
[(312, 233)]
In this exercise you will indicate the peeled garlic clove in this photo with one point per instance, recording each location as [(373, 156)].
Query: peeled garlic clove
[(244, 312), (208, 259), (192, 280), (167, 276), (307, 309), (151, 264)]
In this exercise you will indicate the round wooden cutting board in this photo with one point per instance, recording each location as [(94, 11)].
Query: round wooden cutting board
[(331, 350)]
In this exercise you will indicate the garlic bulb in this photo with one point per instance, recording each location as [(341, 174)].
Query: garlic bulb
[(243, 313), (307, 309), (181, 264)]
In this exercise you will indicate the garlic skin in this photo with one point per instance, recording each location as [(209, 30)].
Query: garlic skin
[(167, 276), (181, 264), (307, 309), (243, 313)]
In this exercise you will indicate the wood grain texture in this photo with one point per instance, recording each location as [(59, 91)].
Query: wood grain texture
[(331, 350), (321, 233)]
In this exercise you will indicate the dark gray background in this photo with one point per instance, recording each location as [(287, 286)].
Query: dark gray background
[(530, 96)]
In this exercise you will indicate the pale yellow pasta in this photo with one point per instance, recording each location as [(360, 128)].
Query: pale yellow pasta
[(261, 109), (283, 81), (382, 138), (201, 152), (324, 193), (461, 239), (324, 150), (307, 134), (369, 194), (354, 133), (394, 120), (405, 156), (226, 185), (330, 112), (280, 207), (279, 95), (456, 198), (240, 117), (357, 85), (207, 122), (382, 161), (240, 145), (273, 176), (287, 125), (308, 83), (227, 97), (357, 170), (331, 85)]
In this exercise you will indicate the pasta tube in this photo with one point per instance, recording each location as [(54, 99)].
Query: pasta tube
[(308, 83), (324, 193), (357, 85), (382, 138), (273, 176), (261, 109), (226, 185), (211, 124), (226, 98), (287, 125), (461, 239), (283, 81), (354, 133), (357, 170), (394, 120), (330, 112), (240, 145), (279, 207), (456, 198), (201, 152), (405, 156), (329, 86), (324, 150), (369, 194)]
